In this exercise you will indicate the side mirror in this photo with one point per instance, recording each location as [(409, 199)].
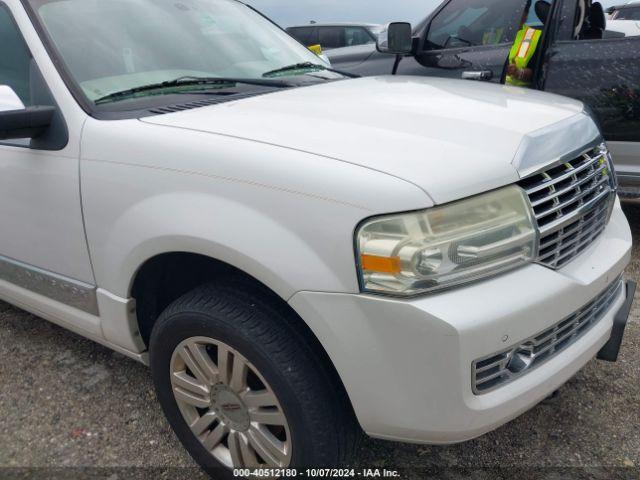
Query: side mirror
[(16, 121), (396, 39)]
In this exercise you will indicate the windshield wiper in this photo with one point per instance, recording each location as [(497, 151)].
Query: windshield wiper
[(308, 66), (192, 82)]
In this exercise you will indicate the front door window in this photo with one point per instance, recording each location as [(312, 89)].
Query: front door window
[(464, 23), (15, 60)]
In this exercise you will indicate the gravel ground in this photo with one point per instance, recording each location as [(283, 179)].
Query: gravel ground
[(67, 402)]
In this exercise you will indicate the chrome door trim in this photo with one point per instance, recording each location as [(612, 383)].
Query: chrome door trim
[(62, 289)]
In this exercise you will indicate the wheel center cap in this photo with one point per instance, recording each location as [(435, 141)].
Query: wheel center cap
[(230, 407)]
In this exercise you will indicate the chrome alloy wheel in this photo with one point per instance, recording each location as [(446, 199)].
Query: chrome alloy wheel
[(228, 405)]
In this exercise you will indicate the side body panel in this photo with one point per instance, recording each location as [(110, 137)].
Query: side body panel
[(45, 266), (605, 75), (40, 205)]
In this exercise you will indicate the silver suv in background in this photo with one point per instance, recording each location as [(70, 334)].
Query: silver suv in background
[(336, 35), (630, 11), (624, 20)]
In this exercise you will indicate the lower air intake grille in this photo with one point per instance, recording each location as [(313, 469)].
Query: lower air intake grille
[(496, 370)]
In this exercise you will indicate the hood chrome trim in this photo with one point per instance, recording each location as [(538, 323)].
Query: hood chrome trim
[(552, 145)]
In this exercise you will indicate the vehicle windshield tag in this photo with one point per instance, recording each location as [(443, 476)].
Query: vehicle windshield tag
[(127, 57)]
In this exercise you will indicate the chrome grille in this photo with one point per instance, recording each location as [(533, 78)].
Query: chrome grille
[(571, 202), (496, 370)]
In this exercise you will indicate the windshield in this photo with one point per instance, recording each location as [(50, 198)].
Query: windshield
[(110, 46)]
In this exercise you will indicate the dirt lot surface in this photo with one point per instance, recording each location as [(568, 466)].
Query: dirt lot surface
[(67, 402)]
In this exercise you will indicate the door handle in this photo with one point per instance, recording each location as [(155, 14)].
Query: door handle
[(478, 75)]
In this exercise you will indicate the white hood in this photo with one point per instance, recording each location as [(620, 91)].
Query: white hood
[(451, 138)]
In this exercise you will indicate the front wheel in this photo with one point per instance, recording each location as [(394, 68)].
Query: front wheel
[(243, 388)]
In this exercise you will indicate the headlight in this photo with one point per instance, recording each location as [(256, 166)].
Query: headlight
[(413, 253)]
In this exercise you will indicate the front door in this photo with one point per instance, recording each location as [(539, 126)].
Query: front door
[(42, 241), (467, 39), (597, 61)]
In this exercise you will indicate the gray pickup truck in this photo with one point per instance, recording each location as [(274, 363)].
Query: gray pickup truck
[(581, 56)]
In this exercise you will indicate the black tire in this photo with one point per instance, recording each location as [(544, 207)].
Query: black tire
[(324, 432)]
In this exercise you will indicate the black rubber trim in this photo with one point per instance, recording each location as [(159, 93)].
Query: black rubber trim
[(610, 351), (26, 123)]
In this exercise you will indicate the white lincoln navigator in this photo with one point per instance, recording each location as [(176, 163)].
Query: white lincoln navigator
[(299, 256)]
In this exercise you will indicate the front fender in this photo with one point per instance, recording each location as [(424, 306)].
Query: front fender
[(283, 216), (261, 246)]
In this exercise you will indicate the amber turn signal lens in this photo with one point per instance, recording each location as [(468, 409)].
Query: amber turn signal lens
[(373, 263)]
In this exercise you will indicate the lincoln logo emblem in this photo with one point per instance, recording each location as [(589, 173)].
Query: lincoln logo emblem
[(230, 407)]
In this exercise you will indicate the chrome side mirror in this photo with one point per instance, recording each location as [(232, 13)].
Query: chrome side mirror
[(396, 39)]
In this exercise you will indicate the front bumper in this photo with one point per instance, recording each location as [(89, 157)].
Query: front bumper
[(611, 349), (406, 364)]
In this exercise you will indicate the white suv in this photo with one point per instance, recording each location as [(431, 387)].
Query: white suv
[(299, 256)]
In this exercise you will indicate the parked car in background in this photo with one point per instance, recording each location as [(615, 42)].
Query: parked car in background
[(624, 19), (458, 40), (336, 35), (447, 260), (628, 11), (620, 28)]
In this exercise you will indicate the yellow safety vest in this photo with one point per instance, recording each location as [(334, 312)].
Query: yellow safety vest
[(493, 36), (522, 52)]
